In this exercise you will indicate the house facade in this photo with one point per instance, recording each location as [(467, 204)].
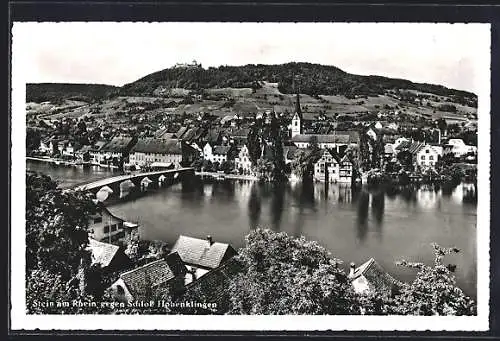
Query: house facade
[(106, 227), (242, 161), (160, 151), (115, 150), (327, 167), (425, 155)]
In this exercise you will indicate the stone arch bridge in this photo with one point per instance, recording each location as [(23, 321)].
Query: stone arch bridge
[(122, 185)]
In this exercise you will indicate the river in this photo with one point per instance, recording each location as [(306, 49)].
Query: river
[(353, 225)]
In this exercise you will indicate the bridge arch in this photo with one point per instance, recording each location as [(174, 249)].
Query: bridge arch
[(126, 187)]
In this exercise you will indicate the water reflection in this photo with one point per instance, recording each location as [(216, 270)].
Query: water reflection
[(254, 205), (362, 216), (378, 205), (277, 205)]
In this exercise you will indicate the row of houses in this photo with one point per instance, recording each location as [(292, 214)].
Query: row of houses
[(202, 266)]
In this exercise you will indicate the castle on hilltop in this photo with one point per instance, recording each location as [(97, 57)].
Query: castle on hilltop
[(193, 64)]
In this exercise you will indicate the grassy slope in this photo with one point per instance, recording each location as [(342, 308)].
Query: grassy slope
[(265, 98)]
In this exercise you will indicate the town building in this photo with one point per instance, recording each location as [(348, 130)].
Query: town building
[(106, 227), (139, 283), (148, 151), (109, 257), (331, 167), (95, 152), (458, 148), (200, 256), (242, 162), (424, 155), (115, 150), (332, 141), (216, 153)]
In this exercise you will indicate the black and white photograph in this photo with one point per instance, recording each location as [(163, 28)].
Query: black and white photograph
[(205, 175)]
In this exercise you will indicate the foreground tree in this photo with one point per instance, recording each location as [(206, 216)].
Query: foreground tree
[(434, 290), (56, 226), (57, 255), (286, 275)]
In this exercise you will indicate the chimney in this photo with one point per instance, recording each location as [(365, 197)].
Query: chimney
[(352, 270), (210, 240)]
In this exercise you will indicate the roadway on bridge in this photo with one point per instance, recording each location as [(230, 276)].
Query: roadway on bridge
[(120, 178)]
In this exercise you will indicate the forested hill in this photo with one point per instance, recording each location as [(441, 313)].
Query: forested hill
[(41, 92), (315, 79)]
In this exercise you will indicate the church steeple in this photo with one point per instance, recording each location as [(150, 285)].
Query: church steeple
[(298, 110), (297, 117)]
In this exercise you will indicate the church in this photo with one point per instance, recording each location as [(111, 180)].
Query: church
[(338, 139)]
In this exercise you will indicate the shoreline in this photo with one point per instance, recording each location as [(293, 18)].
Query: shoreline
[(227, 176)]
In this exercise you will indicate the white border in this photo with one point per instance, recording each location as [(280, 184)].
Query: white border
[(19, 319)]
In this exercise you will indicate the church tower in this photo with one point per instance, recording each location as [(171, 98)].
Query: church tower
[(297, 117)]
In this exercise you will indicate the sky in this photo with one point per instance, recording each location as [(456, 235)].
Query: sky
[(452, 55)]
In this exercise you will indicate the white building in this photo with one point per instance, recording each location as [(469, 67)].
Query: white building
[(215, 154), (458, 148), (425, 155), (296, 127), (243, 160), (158, 151)]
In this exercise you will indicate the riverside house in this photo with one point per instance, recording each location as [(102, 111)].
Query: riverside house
[(106, 227), (117, 149), (331, 167), (159, 151), (425, 155), (242, 162)]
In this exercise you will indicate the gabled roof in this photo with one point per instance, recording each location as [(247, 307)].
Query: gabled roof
[(158, 146), (214, 285), (118, 144), (221, 150), (334, 136), (415, 147), (199, 251), (181, 132), (161, 132), (189, 134), (151, 275), (378, 279), (102, 253), (98, 145)]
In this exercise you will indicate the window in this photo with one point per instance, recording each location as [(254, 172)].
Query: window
[(427, 151), (296, 123), (422, 157), (106, 229), (431, 157), (97, 220), (333, 171), (113, 227)]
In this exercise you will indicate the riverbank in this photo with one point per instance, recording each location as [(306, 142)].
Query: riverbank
[(227, 176), (62, 162)]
